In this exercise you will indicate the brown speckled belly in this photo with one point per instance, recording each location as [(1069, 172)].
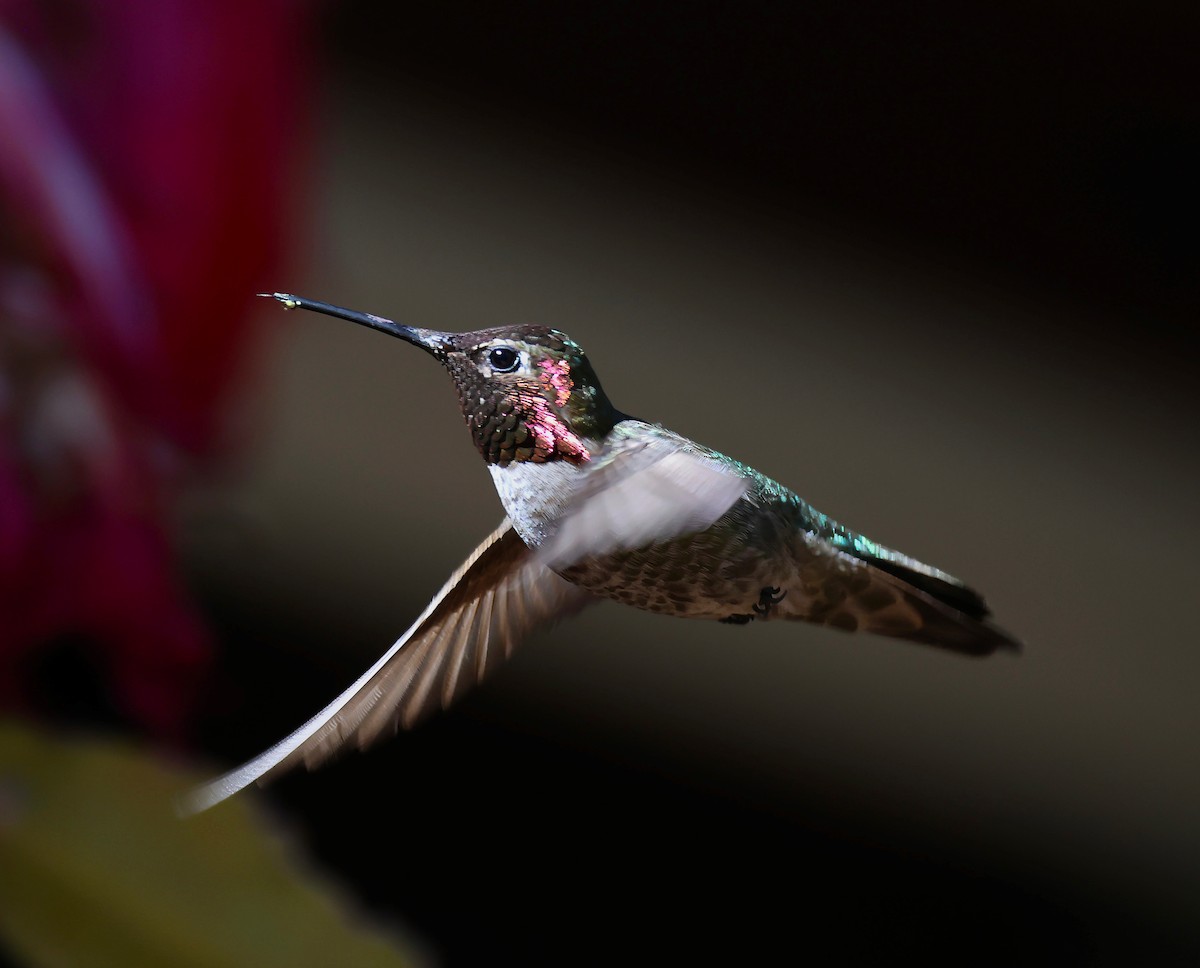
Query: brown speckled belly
[(714, 574)]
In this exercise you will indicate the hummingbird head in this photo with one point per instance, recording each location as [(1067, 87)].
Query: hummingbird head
[(528, 393)]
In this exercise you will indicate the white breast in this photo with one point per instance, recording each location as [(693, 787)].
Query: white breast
[(534, 495)]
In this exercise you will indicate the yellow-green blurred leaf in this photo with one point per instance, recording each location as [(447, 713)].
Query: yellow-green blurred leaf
[(97, 870)]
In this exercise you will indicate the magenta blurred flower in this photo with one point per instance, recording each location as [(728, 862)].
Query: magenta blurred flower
[(145, 151)]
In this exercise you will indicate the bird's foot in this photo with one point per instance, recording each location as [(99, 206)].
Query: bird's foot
[(768, 598)]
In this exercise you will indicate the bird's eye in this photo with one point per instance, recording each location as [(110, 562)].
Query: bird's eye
[(504, 359)]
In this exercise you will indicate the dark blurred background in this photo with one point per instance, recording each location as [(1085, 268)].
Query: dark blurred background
[(932, 266)]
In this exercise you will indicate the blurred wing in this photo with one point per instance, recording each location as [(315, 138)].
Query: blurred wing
[(842, 591), (652, 493), (500, 595)]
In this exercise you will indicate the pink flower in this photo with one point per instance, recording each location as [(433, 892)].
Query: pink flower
[(145, 157)]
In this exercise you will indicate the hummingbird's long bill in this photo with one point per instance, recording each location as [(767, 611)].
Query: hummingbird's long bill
[(427, 339)]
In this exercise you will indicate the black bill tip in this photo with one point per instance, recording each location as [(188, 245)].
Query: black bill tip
[(428, 339)]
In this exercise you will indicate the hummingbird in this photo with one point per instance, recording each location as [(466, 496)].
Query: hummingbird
[(600, 505)]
